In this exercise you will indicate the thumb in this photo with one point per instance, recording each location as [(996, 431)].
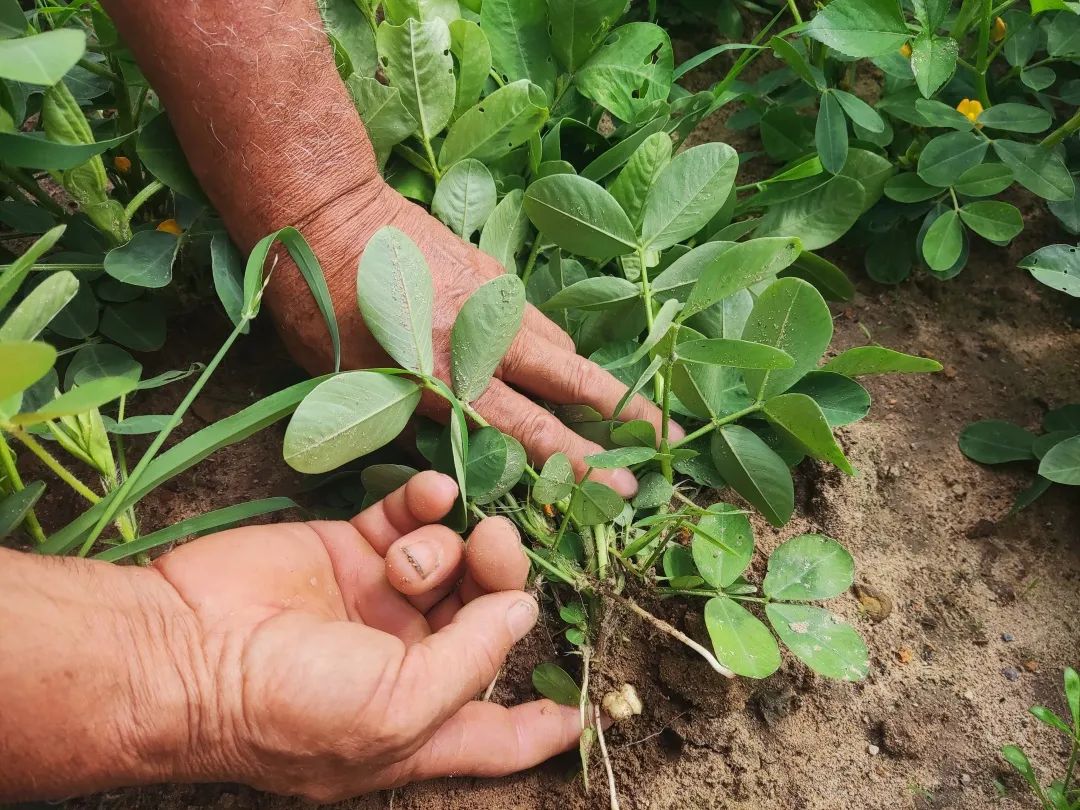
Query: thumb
[(445, 670)]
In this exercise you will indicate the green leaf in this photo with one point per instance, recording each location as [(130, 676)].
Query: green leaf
[(995, 442), (579, 26), (12, 24), (993, 220), (346, 417), (486, 463), (841, 399), (395, 293), (470, 47), (145, 261), (726, 268), (352, 29), (1062, 464), (137, 325), (1039, 170), (792, 316), (948, 156), (795, 60), (595, 503), (579, 216), (43, 304), (512, 471), (387, 121), (824, 642), (23, 363), (227, 265), (944, 241), (483, 331), (620, 457), (687, 194), (1057, 266), (810, 566), (379, 480), (12, 278), (653, 492), (1016, 118), (639, 175), (751, 468), (984, 181), (740, 640), (629, 71), (161, 155), (465, 197), (1016, 757), (1072, 695), (517, 31), (661, 324), (397, 11), (136, 425), (601, 292), (829, 279), (863, 360), (214, 521), (1066, 418), (506, 230), (798, 418), (556, 480), (33, 150), (910, 188), (17, 505), (502, 121), (1038, 78), (830, 134), (860, 28), (100, 360), (933, 61), (859, 111), (931, 13), (416, 58), (936, 114), (734, 353), (552, 681), (617, 155), (41, 59), (81, 399), (723, 544)]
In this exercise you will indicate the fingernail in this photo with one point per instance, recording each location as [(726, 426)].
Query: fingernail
[(424, 557), (623, 482), (674, 431), (521, 617)]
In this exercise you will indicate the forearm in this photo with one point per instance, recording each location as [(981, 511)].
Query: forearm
[(252, 92), (96, 688)]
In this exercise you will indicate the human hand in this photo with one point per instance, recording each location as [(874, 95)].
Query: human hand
[(334, 658), (541, 360)]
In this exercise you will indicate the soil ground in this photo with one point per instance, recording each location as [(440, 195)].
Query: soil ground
[(927, 528), (930, 535)]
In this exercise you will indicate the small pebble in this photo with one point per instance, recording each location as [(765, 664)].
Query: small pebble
[(965, 778), (1011, 673), (873, 750), (1031, 666), (1006, 637)]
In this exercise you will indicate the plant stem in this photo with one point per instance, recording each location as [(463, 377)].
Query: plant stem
[(606, 760), (530, 263), (665, 447), (603, 558), (795, 12), (144, 194), (982, 55), (7, 466), (431, 159), (473, 414), (663, 544), (98, 70), (646, 297), (50, 461), (1062, 132), (715, 423), (674, 632)]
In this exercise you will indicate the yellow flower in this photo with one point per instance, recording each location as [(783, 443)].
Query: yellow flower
[(905, 50), (997, 33), (170, 226), (122, 164), (970, 109)]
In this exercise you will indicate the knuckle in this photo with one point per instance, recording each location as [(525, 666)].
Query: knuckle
[(535, 429)]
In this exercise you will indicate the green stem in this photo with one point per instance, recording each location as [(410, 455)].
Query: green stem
[(955, 202), (144, 194), (431, 159), (656, 552), (98, 69), (715, 423), (1062, 132), (7, 465), (530, 262), (982, 55), (646, 297), (665, 445), (58, 469), (794, 12), (1070, 767), (602, 554), (556, 572)]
